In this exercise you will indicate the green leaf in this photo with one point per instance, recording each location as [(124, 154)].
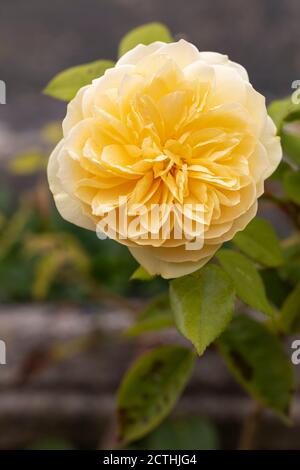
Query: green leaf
[(151, 388), (247, 281), (259, 241), (282, 111), (277, 288), (65, 85), (28, 163), (202, 303), (145, 34), (140, 274), (278, 110), (290, 271), (256, 358), (291, 145), (187, 433), (158, 315), (291, 185), (290, 312), (280, 171)]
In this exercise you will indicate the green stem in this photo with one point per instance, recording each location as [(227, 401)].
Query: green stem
[(250, 427)]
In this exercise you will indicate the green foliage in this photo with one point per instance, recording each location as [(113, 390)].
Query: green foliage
[(65, 85), (6, 199), (282, 111), (3, 220), (151, 388), (276, 288), (140, 274), (181, 434), (256, 358), (145, 34), (290, 313), (246, 279), (290, 271), (45, 258), (16, 277), (52, 132), (51, 444), (14, 229), (58, 254), (202, 303), (291, 185), (291, 145), (112, 266), (156, 316), (28, 163), (280, 171), (259, 241), (48, 267)]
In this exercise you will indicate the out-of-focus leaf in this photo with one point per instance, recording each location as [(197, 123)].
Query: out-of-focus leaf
[(202, 303), (140, 274), (52, 132), (14, 229), (256, 358), (65, 85), (290, 312), (158, 315), (51, 444), (145, 34), (182, 434), (291, 185), (246, 279), (28, 163), (6, 199), (15, 279), (3, 220), (151, 388), (56, 252), (46, 271), (280, 171), (64, 242), (259, 241)]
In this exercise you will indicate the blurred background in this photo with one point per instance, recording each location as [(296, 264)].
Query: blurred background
[(65, 296)]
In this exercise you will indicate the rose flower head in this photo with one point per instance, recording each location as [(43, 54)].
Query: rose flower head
[(166, 153)]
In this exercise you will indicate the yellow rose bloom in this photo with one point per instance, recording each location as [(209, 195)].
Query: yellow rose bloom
[(173, 127)]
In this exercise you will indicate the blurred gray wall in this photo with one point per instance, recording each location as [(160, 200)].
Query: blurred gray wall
[(39, 38)]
